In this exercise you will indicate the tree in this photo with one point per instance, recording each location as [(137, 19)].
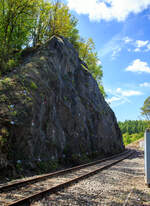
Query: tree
[(15, 23), (89, 56), (87, 53), (145, 110), (134, 126), (74, 36), (31, 22), (53, 19)]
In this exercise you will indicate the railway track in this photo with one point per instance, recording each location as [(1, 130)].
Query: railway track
[(24, 192)]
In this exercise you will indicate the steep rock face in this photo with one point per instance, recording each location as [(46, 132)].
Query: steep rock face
[(51, 108)]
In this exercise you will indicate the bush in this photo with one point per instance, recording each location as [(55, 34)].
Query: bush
[(129, 138)]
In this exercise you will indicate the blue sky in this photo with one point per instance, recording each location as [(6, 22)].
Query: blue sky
[(121, 32)]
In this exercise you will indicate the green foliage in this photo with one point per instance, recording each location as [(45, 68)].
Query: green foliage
[(102, 89), (11, 63), (3, 140), (45, 166), (145, 110), (133, 130), (89, 56), (52, 19), (25, 23), (33, 85), (19, 167), (3, 137), (74, 33), (133, 126), (6, 82), (16, 19), (129, 138)]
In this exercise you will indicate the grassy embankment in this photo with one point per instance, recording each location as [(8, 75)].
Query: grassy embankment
[(133, 130)]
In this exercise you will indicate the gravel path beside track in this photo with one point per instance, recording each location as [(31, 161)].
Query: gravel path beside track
[(122, 184)]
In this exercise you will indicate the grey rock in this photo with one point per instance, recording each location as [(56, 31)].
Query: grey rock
[(58, 108)]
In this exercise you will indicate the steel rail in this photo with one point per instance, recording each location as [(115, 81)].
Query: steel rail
[(45, 176), (27, 200)]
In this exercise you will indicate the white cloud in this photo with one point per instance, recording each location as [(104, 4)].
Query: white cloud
[(108, 9), (137, 50), (140, 43), (145, 84), (138, 66), (118, 43), (113, 99), (120, 96), (127, 40), (116, 51), (128, 93), (148, 48), (137, 45), (112, 45), (115, 45), (142, 46)]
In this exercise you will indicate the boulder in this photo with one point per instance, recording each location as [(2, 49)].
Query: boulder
[(51, 108)]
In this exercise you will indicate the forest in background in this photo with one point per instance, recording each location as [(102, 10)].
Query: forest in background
[(133, 130), (29, 23)]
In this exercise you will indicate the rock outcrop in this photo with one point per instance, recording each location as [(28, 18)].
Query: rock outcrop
[(51, 108)]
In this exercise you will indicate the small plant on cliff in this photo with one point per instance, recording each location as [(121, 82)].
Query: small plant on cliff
[(19, 166), (3, 139), (45, 166), (33, 85)]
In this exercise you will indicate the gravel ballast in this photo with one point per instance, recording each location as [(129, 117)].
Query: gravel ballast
[(122, 184)]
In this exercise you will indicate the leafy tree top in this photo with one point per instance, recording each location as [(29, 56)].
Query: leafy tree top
[(145, 109)]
